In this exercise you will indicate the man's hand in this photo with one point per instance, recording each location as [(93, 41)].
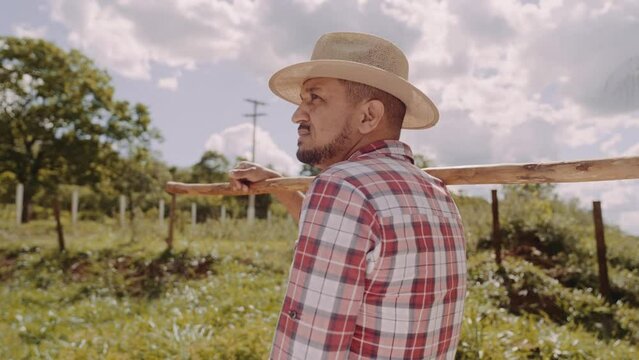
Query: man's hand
[(247, 173)]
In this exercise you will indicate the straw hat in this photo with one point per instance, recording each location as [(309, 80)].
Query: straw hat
[(365, 59)]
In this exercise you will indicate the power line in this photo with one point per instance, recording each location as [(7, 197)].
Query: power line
[(251, 207), (254, 115)]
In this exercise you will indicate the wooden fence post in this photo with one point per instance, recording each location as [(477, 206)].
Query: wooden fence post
[(223, 214), (604, 283), (122, 210), (169, 239), (250, 211), (193, 216), (75, 199), (58, 224), (496, 228), (19, 203)]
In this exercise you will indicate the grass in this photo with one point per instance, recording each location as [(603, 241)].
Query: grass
[(112, 298), (116, 294)]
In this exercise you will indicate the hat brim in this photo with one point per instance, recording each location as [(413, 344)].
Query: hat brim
[(421, 113)]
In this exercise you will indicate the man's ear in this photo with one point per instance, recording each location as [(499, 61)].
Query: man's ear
[(372, 114)]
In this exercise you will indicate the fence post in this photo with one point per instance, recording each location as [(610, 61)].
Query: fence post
[(19, 203), (250, 211), (122, 210), (169, 239), (604, 283), (496, 228), (161, 212), (75, 198), (193, 216), (223, 214)]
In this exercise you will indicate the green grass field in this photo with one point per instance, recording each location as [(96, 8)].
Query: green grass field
[(116, 294)]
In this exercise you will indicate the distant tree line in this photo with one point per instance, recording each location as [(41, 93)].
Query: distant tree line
[(61, 128)]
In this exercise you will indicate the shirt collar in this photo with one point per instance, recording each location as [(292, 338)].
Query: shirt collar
[(391, 148)]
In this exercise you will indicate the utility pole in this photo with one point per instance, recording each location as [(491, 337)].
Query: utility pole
[(250, 214)]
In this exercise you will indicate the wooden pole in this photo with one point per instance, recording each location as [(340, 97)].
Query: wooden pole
[(557, 172), (75, 199), (161, 212), (169, 239), (122, 210), (193, 216), (223, 214), (58, 224), (604, 283), (19, 203), (250, 211), (496, 227)]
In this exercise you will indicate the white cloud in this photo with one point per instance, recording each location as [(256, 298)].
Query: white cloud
[(236, 141), (105, 35), (609, 146), (630, 221), (516, 81), (130, 36), (619, 200), (632, 151), (26, 30), (168, 83), (310, 5), (433, 19)]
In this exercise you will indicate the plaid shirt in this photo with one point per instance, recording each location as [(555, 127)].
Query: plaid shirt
[(379, 269)]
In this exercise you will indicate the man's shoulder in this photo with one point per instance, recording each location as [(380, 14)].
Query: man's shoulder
[(364, 172), (343, 169), (350, 170), (374, 174)]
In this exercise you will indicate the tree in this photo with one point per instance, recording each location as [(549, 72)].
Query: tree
[(144, 181), (309, 170), (59, 120), (421, 161), (213, 167)]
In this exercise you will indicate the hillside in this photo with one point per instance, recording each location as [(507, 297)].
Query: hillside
[(217, 295)]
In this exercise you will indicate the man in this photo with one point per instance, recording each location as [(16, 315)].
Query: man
[(379, 269)]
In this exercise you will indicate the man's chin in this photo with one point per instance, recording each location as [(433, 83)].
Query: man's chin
[(308, 157)]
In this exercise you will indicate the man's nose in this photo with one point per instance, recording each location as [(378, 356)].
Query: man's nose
[(299, 115)]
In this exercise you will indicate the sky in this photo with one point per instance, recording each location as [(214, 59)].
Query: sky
[(514, 80)]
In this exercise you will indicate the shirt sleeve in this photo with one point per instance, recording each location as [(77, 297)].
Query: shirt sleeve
[(328, 274)]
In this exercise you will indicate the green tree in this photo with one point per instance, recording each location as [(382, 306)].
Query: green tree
[(309, 170), (59, 120), (143, 182), (213, 167), (421, 161)]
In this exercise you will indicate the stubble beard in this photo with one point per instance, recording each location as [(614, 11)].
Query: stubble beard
[(329, 151)]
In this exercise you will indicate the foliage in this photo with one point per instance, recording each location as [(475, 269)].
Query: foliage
[(59, 120), (477, 218), (213, 167), (217, 296), (309, 170), (421, 161)]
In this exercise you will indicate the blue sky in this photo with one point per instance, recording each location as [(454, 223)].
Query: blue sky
[(515, 81)]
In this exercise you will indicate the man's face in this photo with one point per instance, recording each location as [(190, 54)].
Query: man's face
[(325, 122)]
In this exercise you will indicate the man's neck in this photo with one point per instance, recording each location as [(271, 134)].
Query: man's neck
[(359, 144)]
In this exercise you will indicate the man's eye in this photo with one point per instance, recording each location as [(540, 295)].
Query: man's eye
[(310, 98)]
